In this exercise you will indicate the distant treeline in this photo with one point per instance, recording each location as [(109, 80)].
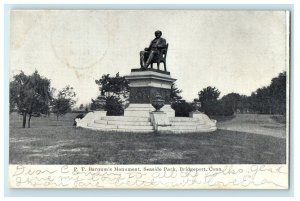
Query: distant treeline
[(266, 100), (32, 95)]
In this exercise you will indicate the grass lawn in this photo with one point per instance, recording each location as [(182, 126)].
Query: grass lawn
[(58, 142), (272, 125)]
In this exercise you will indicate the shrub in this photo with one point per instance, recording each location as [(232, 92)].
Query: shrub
[(114, 106), (182, 108)]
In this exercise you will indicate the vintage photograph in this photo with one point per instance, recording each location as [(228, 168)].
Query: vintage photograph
[(149, 87)]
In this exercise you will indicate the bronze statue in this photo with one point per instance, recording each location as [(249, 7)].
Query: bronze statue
[(155, 53)]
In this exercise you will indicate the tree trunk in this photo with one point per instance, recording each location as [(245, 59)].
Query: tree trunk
[(24, 119), (57, 117), (29, 118)]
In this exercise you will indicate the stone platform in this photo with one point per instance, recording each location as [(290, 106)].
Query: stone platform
[(139, 116), (156, 122)]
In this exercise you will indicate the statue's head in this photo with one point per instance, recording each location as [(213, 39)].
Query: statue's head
[(158, 34)]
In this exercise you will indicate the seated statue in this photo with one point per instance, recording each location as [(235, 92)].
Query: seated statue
[(155, 53)]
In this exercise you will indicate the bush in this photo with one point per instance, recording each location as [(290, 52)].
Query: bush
[(225, 109), (182, 108), (217, 108), (114, 106)]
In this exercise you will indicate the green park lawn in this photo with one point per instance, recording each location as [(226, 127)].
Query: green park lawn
[(57, 142)]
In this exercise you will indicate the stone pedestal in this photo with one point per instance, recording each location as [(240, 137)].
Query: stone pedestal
[(99, 113), (145, 84)]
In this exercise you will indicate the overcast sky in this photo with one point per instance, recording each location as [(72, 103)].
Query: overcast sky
[(235, 51)]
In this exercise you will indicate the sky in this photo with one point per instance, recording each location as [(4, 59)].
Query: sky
[(234, 51)]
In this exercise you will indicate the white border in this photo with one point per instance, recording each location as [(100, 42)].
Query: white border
[(295, 71)]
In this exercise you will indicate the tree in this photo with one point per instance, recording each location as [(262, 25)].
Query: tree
[(209, 94), (30, 95), (114, 106), (175, 93), (278, 93), (231, 101), (208, 98), (270, 99), (81, 107), (243, 105), (116, 91), (261, 101), (113, 86), (64, 101)]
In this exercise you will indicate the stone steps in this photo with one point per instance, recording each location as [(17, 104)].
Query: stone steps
[(123, 118), (190, 125), (133, 123), (121, 130), (185, 123), (135, 127), (103, 126), (124, 127), (123, 124), (183, 119)]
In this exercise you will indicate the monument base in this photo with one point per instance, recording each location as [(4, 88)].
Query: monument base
[(155, 122), (90, 118), (140, 116), (203, 118), (143, 110)]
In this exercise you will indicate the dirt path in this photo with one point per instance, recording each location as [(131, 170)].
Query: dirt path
[(255, 123)]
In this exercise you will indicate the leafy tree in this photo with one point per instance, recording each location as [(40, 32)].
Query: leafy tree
[(30, 95), (223, 108), (81, 107), (209, 94), (113, 86), (278, 93), (261, 101), (208, 98), (64, 101), (243, 105), (175, 93), (114, 106), (116, 91), (270, 99), (231, 101)]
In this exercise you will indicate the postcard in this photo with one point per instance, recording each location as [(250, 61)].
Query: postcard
[(149, 99)]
